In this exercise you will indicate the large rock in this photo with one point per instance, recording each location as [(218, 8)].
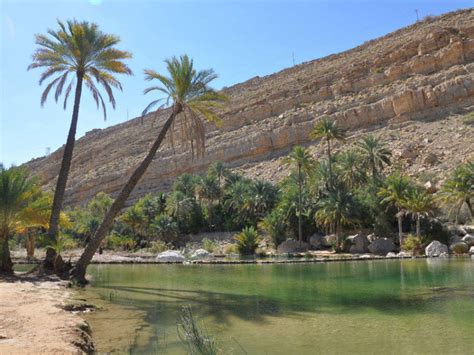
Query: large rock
[(329, 240), (292, 246), (459, 248), (170, 256), (468, 239), (436, 248), (201, 254), (382, 246), (316, 241), (471, 251), (359, 244), (469, 229)]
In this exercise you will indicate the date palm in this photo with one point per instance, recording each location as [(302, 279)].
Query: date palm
[(17, 191), (396, 190), (374, 155), (76, 54), (209, 190), (419, 203), (300, 160), (192, 100), (329, 130), (458, 190), (350, 172)]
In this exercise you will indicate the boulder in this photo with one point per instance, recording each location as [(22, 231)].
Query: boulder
[(469, 229), (316, 241), (170, 256), (359, 244), (458, 230), (455, 239), (381, 246), (391, 255), (471, 251), (459, 248), (200, 254), (328, 240), (371, 237), (404, 254), (468, 239), (292, 246), (435, 248)]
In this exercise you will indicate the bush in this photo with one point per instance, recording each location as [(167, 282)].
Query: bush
[(247, 241), (231, 249), (412, 243), (118, 241), (209, 245), (274, 224), (468, 119), (158, 246)]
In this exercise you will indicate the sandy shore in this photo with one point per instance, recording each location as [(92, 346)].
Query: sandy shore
[(32, 320)]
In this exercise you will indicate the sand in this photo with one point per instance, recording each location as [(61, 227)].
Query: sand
[(32, 320)]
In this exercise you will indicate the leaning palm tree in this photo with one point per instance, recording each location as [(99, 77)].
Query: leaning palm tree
[(374, 155), (458, 190), (77, 53), (419, 203), (329, 130), (192, 99), (17, 191), (302, 162), (395, 192)]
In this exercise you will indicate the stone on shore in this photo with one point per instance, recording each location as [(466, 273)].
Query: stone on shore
[(459, 248), (468, 239), (329, 240), (292, 246), (200, 254), (471, 251), (170, 256), (436, 248), (359, 244), (382, 246)]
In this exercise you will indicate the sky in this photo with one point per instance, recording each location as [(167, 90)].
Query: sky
[(238, 39)]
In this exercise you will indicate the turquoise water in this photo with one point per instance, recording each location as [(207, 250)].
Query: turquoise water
[(384, 306)]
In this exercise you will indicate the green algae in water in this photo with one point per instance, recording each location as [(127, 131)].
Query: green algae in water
[(384, 306)]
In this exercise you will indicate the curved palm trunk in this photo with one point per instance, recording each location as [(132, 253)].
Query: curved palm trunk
[(469, 207), (50, 259), (6, 265), (79, 271), (300, 223)]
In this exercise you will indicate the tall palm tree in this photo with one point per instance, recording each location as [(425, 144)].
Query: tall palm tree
[(78, 51), (374, 154), (300, 160), (350, 172), (458, 190), (17, 191), (329, 130), (396, 190), (336, 208), (209, 190), (419, 203), (192, 99)]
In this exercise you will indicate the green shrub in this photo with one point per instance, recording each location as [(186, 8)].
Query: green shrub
[(158, 246), (247, 241), (231, 249), (209, 245), (274, 224), (411, 243), (118, 241), (469, 118)]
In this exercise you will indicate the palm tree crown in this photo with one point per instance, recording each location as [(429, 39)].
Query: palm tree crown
[(375, 154), (80, 50), (189, 92)]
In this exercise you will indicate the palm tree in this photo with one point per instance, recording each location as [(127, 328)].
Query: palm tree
[(192, 99), (396, 190), (458, 190), (301, 160), (350, 172), (419, 203), (329, 130), (17, 191), (336, 209), (374, 155), (186, 183), (83, 53), (208, 190), (219, 170)]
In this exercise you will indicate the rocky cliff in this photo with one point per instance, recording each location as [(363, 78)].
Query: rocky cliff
[(411, 87)]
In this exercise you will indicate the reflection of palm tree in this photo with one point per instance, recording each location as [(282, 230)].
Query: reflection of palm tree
[(81, 50), (302, 162), (192, 99)]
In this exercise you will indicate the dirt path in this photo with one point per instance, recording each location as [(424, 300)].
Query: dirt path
[(32, 320)]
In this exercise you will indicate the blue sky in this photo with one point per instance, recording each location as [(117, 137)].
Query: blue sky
[(238, 39)]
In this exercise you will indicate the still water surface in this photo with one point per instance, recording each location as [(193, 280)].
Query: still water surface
[(384, 306)]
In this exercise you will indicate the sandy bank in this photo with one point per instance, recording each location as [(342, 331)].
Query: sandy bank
[(32, 320)]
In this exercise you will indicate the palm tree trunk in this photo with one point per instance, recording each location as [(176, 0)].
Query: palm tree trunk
[(50, 259), (469, 207), (329, 162), (30, 245), (79, 271), (300, 224), (6, 265), (400, 228), (418, 232)]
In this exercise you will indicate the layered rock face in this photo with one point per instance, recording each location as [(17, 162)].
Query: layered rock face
[(422, 74)]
